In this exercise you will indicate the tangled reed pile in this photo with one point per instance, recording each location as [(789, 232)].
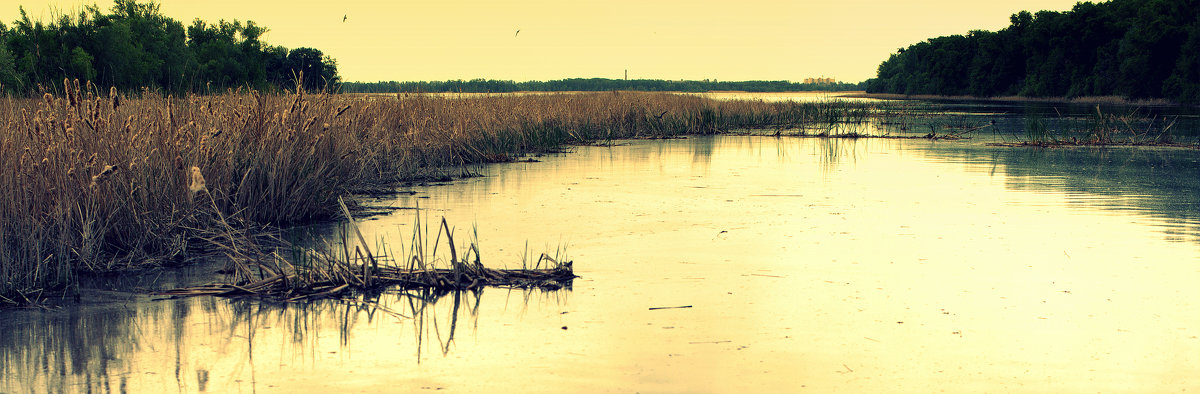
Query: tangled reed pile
[(311, 273)]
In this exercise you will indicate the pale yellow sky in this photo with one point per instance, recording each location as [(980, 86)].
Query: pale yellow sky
[(725, 40)]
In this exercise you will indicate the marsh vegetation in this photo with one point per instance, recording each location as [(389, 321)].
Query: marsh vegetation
[(104, 181)]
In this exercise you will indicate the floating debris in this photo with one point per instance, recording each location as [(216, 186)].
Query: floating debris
[(311, 274)]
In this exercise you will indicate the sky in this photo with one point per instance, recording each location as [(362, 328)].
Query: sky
[(383, 40)]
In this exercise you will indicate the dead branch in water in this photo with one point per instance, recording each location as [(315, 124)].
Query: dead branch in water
[(311, 274), (288, 287)]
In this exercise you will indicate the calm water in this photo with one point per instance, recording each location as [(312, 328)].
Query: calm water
[(803, 264)]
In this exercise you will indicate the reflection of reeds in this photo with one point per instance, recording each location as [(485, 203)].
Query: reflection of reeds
[(198, 344)]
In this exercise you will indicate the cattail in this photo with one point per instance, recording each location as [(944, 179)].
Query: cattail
[(116, 101), (95, 109), (99, 178), (171, 109), (67, 91), (48, 98), (197, 183)]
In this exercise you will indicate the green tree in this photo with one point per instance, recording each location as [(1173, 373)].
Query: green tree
[(1135, 48), (318, 70), (1184, 83)]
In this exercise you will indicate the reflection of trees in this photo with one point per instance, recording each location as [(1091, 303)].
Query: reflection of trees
[(1160, 183), (207, 343)]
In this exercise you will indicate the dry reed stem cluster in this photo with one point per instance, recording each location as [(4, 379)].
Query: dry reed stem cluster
[(103, 182)]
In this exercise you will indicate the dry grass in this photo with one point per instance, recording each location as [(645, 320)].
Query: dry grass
[(97, 181)]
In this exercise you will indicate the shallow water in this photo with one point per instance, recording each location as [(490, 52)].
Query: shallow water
[(784, 96), (804, 264)]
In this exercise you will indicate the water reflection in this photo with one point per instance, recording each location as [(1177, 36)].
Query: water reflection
[(1159, 183), (214, 344), (824, 265), (836, 150)]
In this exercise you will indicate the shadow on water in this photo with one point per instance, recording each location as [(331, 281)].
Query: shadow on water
[(213, 344)]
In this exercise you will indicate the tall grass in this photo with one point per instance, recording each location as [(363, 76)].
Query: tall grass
[(97, 181)]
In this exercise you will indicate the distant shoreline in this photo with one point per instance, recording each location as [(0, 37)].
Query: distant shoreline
[(1105, 100)]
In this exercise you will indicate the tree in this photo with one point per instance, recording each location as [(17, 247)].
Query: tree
[(133, 45), (318, 70), (1135, 48)]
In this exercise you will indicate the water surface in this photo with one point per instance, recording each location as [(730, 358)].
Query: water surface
[(784, 264)]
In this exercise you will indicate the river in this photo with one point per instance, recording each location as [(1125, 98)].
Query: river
[(716, 264)]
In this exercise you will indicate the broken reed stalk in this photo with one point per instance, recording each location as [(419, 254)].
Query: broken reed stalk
[(366, 269), (325, 274)]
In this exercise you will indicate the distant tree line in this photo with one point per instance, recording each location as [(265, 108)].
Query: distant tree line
[(1131, 48), (135, 46), (588, 84)]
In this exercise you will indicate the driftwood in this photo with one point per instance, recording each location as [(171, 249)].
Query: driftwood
[(314, 274)]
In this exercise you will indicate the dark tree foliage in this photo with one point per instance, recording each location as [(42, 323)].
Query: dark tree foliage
[(134, 46), (590, 85), (1131, 48)]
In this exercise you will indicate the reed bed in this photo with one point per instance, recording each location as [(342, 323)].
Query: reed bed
[(99, 181)]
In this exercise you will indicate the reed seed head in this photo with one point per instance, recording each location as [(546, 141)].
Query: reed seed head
[(198, 182), (98, 179)]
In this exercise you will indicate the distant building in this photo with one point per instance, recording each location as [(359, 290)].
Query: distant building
[(821, 80)]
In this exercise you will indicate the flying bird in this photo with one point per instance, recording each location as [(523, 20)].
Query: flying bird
[(344, 18), (518, 32)]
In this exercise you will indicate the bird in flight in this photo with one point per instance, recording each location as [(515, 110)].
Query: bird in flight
[(344, 18), (518, 32)]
